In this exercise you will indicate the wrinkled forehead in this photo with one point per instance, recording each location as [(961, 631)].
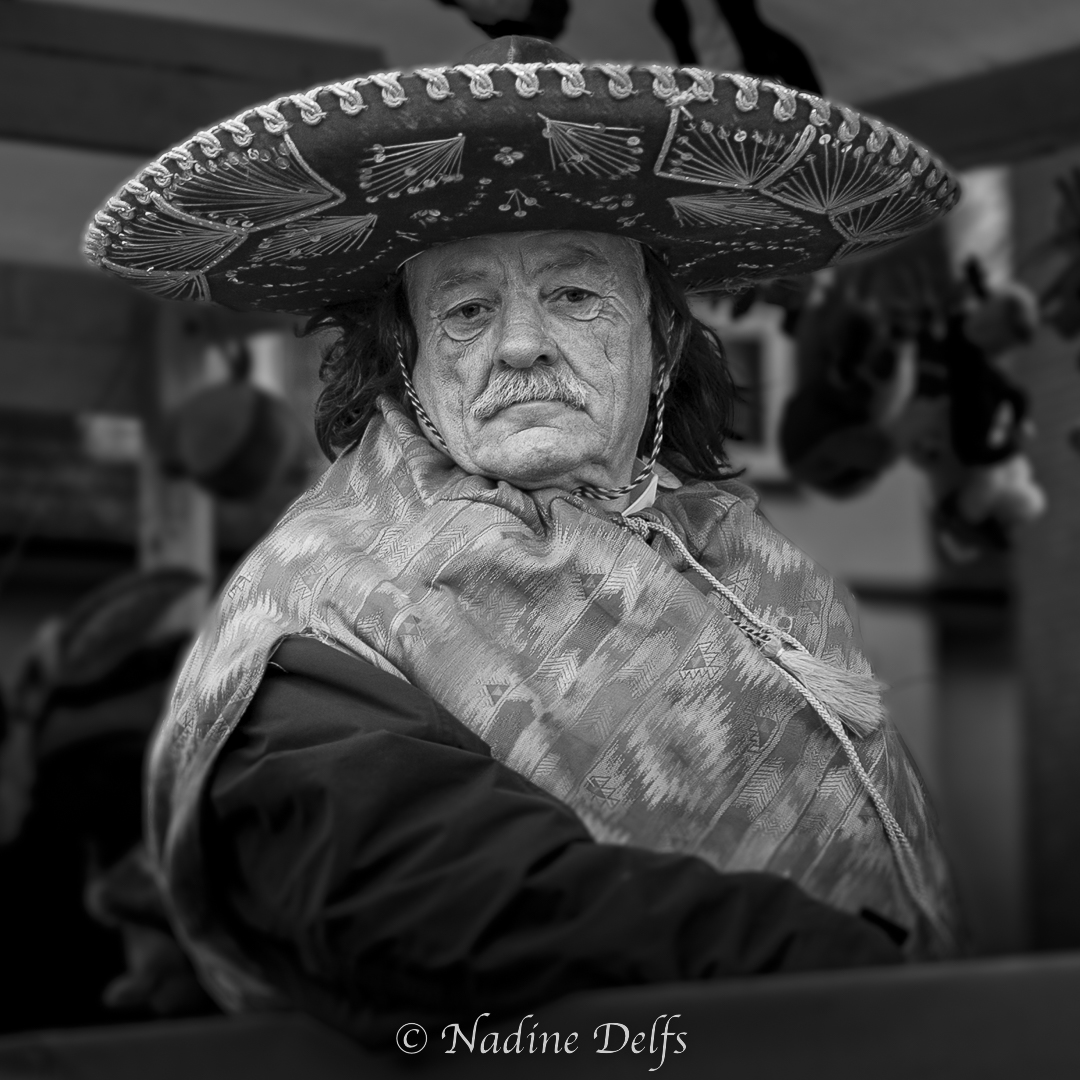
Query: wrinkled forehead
[(480, 259)]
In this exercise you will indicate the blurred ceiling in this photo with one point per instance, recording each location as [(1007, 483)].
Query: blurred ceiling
[(864, 50)]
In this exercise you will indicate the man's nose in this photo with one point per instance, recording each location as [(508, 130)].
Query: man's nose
[(524, 339)]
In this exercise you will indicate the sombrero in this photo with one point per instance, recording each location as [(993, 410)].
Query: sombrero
[(313, 199)]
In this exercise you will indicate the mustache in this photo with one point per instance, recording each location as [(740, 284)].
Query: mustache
[(533, 384)]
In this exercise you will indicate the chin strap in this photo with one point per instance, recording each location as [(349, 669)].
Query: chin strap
[(421, 413), (663, 381)]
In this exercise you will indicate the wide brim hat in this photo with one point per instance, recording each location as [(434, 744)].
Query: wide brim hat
[(316, 198)]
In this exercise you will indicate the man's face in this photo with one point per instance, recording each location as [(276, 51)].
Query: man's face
[(535, 355)]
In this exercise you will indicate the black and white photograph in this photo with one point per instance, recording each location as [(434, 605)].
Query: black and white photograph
[(539, 538)]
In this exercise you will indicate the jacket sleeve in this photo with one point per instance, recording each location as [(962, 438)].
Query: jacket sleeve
[(374, 859)]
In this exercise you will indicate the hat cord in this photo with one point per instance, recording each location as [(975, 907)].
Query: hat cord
[(663, 384), (593, 492), (414, 401)]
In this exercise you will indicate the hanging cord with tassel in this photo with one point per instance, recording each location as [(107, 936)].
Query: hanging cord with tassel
[(804, 672), (852, 696)]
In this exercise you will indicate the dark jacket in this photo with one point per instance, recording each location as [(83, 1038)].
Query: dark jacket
[(378, 865)]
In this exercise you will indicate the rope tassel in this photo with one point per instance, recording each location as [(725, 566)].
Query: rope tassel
[(854, 698)]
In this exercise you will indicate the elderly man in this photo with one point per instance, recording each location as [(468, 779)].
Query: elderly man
[(524, 696)]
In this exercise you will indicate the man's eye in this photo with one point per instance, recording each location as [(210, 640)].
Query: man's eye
[(578, 303), (577, 296), (468, 312)]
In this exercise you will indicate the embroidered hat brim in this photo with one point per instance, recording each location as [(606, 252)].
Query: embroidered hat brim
[(316, 198)]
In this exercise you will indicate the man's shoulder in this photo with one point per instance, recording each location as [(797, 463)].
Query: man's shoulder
[(719, 497)]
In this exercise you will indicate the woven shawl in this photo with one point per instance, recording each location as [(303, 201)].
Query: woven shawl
[(586, 658)]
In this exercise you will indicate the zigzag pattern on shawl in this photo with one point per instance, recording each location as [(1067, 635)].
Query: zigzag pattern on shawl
[(585, 659)]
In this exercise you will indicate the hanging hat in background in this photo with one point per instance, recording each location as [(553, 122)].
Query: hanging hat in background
[(234, 439), (855, 380), (315, 198)]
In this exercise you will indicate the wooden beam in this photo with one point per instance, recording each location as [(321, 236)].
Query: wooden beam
[(68, 341), (75, 341), (67, 377), (1009, 114), (77, 306), (135, 84)]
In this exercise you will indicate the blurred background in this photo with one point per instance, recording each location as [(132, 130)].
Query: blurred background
[(913, 422)]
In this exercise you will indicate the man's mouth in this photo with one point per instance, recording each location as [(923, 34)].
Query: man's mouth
[(538, 401)]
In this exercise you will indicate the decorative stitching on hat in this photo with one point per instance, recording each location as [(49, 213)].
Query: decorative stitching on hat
[(162, 175), (573, 79), (787, 101), (598, 149), (208, 142), (746, 100), (901, 147), (526, 79), (118, 206), (703, 153), (701, 89), (316, 236), (664, 85), (437, 84), (517, 200), (879, 135), (850, 126), (620, 83), (181, 155), (141, 192), (703, 83), (94, 244), (392, 93), (727, 208), (107, 221), (410, 167), (479, 76), (820, 109), (169, 285), (349, 100), (240, 132), (271, 117), (311, 112)]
